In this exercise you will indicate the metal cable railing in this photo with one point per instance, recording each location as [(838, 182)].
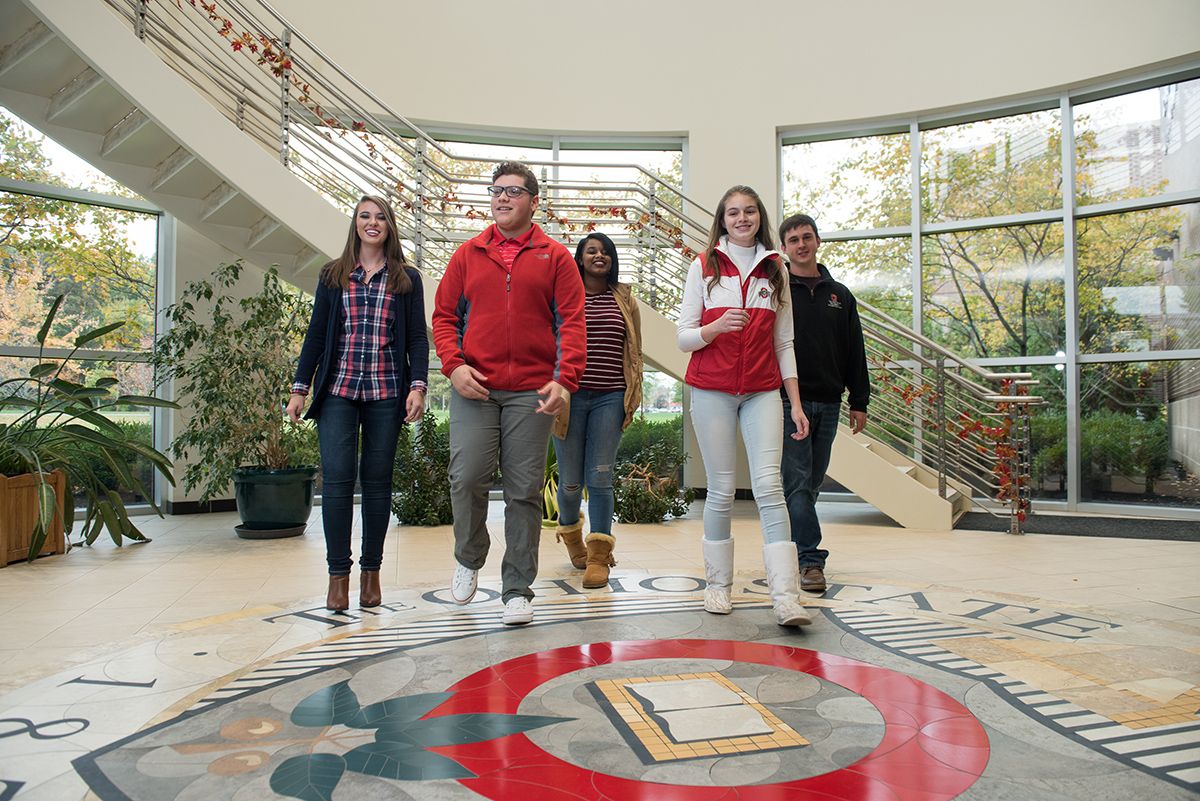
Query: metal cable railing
[(287, 95), (966, 424)]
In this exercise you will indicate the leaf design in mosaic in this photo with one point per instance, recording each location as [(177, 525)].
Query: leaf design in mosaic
[(460, 729), (401, 739), (310, 777), (395, 711), (327, 706), (396, 760)]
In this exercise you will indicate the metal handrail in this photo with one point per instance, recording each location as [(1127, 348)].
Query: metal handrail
[(883, 320), (438, 209)]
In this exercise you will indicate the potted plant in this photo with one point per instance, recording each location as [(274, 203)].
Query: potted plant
[(231, 357), (46, 422)]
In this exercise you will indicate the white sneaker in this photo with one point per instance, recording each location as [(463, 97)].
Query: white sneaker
[(517, 612), (464, 584)]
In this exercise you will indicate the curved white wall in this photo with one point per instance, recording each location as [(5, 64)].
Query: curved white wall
[(730, 75)]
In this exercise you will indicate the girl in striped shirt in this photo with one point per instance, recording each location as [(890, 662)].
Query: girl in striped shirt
[(588, 430)]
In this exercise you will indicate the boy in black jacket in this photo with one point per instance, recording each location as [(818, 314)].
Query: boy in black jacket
[(830, 358)]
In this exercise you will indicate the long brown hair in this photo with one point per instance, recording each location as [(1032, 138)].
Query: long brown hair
[(337, 272), (718, 230)]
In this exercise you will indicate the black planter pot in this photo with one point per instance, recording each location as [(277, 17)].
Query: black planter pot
[(273, 503)]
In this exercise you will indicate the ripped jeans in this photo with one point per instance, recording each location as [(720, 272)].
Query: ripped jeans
[(586, 456)]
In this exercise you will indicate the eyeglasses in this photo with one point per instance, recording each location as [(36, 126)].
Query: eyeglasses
[(511, 191)]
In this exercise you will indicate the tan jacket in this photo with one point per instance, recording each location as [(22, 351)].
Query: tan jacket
[(633, 361)]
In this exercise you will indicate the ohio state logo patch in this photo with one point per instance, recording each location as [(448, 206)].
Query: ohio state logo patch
[(763, 292)]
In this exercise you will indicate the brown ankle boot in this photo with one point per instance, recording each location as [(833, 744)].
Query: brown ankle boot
[(572, 537), (369, 594), (338, 598), (599, 560)]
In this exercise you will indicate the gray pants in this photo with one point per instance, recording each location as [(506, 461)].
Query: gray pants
[(506, 427)]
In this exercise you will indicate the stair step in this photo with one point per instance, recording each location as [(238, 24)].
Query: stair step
[(171, 166), (261, 230), (218, 199), (80, 87), (28, 43), (906, 469)]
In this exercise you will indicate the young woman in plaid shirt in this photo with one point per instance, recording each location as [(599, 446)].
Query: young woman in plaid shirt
[(367, 347)]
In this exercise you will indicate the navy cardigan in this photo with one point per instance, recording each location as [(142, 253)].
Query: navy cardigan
[(410, 342)]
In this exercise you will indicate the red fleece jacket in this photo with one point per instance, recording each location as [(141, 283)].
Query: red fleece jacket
[(520, 328)]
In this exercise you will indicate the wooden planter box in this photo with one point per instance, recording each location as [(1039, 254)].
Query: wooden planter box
[(19, 513)]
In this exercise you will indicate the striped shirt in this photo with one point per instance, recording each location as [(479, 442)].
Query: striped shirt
[(605, 370), (366, 368)]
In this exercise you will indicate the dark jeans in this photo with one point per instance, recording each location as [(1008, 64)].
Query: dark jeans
[(585, 457), (804, 465), (338, 430)]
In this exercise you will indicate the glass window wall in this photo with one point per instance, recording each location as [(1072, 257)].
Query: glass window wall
[(998, 281)]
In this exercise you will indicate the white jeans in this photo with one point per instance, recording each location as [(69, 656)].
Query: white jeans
[(716, 417)]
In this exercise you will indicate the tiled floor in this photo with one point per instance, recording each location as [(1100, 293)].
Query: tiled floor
[(940, 665)]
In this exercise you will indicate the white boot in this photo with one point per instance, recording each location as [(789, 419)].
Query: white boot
[(783, 579), (718, 571)]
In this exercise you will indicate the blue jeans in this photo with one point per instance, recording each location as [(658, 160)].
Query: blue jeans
[(338, 430), (804, 465), (586, 456)]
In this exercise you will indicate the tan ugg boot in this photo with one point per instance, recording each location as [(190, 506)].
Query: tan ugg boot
[(599, 560), (572, 537)]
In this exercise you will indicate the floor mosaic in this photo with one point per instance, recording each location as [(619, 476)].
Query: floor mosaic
[(900, 690)]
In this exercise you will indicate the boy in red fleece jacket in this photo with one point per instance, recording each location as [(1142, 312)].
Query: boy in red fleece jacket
[(508, 326)]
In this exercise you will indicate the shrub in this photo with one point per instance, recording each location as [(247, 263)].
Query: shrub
[(421, 481), (1124, 444), (643, 432), (1048, 442), (646, 485)]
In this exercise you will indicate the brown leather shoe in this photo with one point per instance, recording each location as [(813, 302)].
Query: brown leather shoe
[(812, 578), (369, 594), (338, 598)]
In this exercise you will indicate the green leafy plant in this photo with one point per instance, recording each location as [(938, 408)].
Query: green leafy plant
[(1116, 443), (647, 483), (644, 431), (231, 358), (420, 481), (49, 422), (403, 736)]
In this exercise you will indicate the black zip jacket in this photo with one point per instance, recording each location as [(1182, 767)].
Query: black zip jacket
[(830, 355)]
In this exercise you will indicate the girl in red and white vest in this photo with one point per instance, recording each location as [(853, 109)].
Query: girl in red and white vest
[(736, 323)]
